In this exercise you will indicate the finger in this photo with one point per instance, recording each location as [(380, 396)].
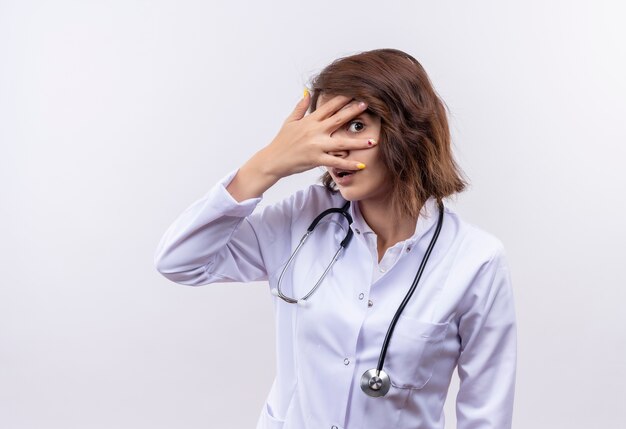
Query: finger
[(347, 144), (340, 163), (300, 110), (352, 110), (331, 106)]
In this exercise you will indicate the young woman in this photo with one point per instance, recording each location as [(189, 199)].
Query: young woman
[(372, 340)]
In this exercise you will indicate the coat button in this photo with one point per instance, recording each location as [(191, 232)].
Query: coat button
[(334, 427), (369, 303), (358, 232), (346, 361), (361, 295)]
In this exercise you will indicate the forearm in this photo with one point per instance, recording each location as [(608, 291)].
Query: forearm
[(209, 241)]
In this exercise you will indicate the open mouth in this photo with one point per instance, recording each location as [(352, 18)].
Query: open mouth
[(343, 173)]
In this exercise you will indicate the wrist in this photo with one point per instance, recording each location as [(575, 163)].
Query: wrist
[(264, 163), (253, 178)]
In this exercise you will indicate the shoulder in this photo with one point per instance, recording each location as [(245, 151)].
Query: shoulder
[(312, 199), (317, 196), (479, 264), (473, 243)]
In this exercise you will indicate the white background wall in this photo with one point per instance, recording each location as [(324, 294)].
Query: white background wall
[(116, 115)]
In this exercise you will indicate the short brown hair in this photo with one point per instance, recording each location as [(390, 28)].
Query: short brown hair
[(415, 137)]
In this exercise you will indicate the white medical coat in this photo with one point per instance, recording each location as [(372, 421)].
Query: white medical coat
[(462, 312)]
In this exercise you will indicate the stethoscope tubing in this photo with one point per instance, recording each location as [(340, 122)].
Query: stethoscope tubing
[(407, 297), (374, 382), (342, 246)]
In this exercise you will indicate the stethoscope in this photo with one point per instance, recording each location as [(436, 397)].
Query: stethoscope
[(374, 382)]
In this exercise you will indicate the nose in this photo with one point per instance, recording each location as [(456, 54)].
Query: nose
[(337, 136), (339, 153)]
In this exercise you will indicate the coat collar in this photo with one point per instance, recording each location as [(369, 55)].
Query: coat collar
[(426, 219)]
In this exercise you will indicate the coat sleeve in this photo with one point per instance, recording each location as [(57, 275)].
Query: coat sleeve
[(218, 239), (487, 362)]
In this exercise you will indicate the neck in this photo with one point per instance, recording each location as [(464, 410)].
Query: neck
[(390, 226)]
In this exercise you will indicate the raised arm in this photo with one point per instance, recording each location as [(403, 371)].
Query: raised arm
[(217, 239)]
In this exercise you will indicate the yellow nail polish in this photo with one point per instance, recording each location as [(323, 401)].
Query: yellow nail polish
[(360, 166), (305, 93)]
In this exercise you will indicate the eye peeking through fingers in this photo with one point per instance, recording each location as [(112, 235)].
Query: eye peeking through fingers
[(356, 126)]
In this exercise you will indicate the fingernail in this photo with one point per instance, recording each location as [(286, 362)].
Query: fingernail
[(371, 142), (305, 93), (360, 166), (362, 104)]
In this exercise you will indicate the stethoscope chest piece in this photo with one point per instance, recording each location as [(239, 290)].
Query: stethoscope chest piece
[(375, 383)]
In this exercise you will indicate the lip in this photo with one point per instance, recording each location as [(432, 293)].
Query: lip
[(343, 181)]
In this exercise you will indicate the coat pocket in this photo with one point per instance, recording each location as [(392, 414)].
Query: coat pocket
[(268, 420), (413, 351)]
